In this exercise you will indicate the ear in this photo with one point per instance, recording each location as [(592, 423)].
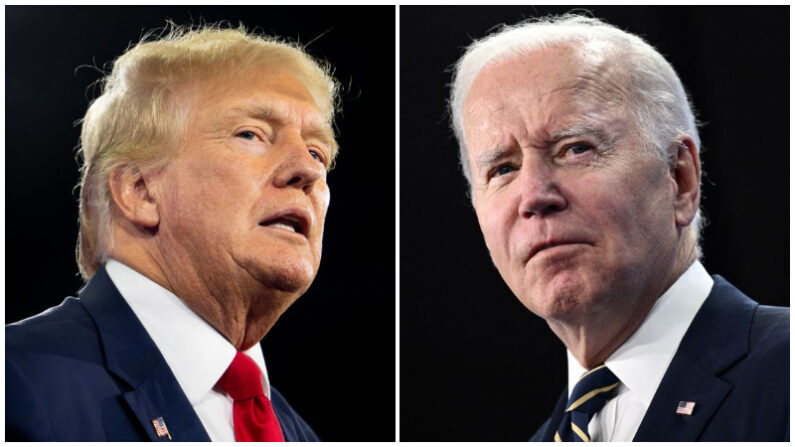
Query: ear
[(133, 197), (686, 171)]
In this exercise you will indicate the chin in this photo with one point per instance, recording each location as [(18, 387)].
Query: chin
[(292, 276), (562, 297)]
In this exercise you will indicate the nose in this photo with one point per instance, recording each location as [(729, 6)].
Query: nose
[(299, 169), (540, 192)]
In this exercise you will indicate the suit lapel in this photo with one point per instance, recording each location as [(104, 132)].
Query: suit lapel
[(554, 420), (159, 396), (685, 381), (131, 355), (717, 338)]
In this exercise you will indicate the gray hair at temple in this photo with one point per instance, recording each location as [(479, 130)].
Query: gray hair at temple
[(140, 116), (661, 106)]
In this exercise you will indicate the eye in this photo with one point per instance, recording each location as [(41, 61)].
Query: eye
[(502, 170), (247, 135), (577, 148), (317, 155)]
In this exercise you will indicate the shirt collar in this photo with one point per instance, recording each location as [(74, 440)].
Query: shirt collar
[(197, 354), (642, 360)]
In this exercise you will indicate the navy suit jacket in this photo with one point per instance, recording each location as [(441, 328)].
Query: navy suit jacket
[(733, 362), (87, 370)]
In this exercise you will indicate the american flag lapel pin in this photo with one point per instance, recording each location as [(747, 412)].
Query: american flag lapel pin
[(685, 408), (160, 428)]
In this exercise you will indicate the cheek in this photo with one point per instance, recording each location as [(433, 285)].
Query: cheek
[(492, 219), (209, 196), (179, 198), (324, 199), (632, 218), (321, 202)]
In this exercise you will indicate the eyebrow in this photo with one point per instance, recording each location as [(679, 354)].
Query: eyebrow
[(580, 129), (314, 127), (489, 158)]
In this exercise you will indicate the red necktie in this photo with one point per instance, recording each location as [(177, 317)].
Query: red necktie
[(254, 418)]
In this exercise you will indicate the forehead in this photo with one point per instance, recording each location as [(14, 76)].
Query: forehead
[(278, 92), (542, 92), (276, 96)]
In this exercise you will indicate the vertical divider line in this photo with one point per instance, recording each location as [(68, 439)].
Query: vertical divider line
[(397, 222)]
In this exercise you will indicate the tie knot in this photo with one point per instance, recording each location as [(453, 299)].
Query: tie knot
[(593, 389), (242, 380), (589, 395)]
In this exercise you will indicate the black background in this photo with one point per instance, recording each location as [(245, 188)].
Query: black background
[(475, 364), (332, 354)]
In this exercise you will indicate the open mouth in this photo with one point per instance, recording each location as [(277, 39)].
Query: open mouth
[(288, 223)]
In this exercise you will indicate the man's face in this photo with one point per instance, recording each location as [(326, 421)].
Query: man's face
[(245, 195), (577, 215)]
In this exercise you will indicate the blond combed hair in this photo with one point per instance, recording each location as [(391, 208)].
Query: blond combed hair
[(139, 119)]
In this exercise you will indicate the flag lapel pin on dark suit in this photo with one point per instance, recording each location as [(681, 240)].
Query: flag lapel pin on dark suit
[(160, 427), (685, 408)]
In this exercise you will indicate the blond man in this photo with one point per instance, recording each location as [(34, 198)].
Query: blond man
[(202, 204)]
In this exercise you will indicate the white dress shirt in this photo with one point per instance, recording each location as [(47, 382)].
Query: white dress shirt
[(641, 362), (197, 354)]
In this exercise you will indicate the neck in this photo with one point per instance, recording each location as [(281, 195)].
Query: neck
[(238, 306), (592, 339)]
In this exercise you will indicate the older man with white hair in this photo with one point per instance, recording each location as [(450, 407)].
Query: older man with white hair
[(582, 154)]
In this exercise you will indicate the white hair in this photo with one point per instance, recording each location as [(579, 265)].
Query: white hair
[(662, 110)]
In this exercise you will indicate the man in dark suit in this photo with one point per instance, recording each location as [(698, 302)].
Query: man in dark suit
[(202, 206), (582, 154)]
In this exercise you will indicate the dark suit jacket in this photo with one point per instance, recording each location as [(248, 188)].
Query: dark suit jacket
[(734, 363), (87, 370)]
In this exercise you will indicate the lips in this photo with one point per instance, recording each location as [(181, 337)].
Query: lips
[(295, 219), (541, 246)]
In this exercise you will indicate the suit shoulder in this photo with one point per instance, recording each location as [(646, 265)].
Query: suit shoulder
[(57, 351), (770, 331), (294, 426), (61, 330), (52, 354), (762, 375), (757, 407)]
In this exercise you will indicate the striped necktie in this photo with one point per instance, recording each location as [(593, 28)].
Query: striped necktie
[(590, 394)]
